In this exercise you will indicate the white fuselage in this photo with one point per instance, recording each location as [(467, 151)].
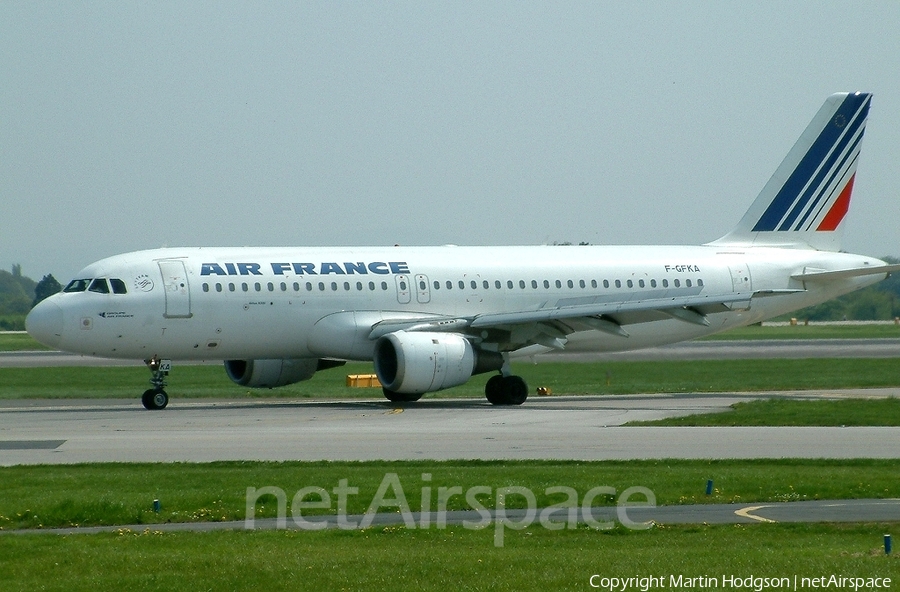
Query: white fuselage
[(252, 303)]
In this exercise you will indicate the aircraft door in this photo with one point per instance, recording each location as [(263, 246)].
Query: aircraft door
[(740, 278), (178, 292), (403, 289), (423, 292)]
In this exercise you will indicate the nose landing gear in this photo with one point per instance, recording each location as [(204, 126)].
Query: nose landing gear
[(156, 397)]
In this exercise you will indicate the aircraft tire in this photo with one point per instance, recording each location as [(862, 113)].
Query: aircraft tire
[(506, 390), (514, 390), (395, 397), (493, 390), (155, 399)]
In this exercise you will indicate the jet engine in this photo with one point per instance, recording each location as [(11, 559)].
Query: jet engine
[(414, 362), (272, 373)]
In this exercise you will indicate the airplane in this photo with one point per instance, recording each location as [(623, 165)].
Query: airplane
[(430, 318)]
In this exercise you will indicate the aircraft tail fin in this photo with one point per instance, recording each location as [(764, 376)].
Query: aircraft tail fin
[(804, 203)]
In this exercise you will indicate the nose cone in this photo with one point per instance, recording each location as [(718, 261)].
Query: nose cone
[(45, 323)]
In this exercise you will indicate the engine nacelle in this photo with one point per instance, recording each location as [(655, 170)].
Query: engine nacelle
[(270, 373), (413, 362)]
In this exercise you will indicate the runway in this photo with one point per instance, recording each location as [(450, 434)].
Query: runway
[(579, 428)]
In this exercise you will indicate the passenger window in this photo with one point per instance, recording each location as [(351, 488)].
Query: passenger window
[(283, 287), (334, 286), (534, 284), (402, 285), (618, 283), (245, 287), (309, 287), (605, 283), (665, 283), (486, 284), (118, 286), (384, 286), (593, 283), (372, 286), (641, 283), (297, 287), (497, 284), (687, 283), (218, 287), (437, 285), (546, 284), (474, 285), (231, 287), (700, 283), (677, 283), (522, 284), (347, 286), (509, 284), (462, 285), (359, 286), (558, 284), (205, 287), (271, 287), (630, 284), (100, 286), (652, 283), (581, 283), (258, 287)]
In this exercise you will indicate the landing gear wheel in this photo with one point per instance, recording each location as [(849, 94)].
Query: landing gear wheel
[(395, 397), (493, 390), (155, 399), (506, 390), (515, 391)]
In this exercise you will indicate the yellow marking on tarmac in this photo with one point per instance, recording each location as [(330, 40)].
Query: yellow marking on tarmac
[(745, 513), (395, 411)]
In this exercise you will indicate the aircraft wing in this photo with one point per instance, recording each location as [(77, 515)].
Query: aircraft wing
[(550, 324)]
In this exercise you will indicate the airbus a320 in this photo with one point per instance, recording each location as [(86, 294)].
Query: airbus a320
[(430, 318)]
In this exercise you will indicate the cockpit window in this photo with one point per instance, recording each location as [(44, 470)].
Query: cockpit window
[(99, 285), (118, 286), (77, 286)]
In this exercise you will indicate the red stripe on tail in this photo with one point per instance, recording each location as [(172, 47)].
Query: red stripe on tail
[(837, 212)]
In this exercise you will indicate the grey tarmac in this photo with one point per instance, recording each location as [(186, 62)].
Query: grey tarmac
[(576, 428)]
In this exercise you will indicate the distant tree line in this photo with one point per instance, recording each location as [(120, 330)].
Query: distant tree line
[(19, 293)]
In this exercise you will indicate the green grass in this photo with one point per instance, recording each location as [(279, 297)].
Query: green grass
[(397, 559), (123, 493), (563, 378), (19, 342), (790, 412)]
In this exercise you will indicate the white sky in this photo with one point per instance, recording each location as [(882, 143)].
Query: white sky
[(128, 125)]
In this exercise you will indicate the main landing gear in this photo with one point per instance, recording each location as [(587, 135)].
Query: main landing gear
[(506, 390), (156, 397)]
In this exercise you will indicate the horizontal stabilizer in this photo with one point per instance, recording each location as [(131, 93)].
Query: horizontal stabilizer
[(841, 274)]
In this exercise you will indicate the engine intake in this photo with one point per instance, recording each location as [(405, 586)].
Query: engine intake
[(414, 362)]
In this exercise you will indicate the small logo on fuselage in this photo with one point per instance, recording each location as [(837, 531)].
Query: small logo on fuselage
[(143, 283)]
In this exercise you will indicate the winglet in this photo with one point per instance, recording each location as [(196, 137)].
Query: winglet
[(806, 200)]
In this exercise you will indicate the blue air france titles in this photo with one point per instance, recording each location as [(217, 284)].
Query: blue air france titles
[(307, 268)]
